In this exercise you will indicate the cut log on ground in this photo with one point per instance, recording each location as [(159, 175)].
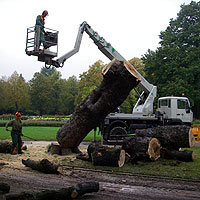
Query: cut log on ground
[(170, 137), (44, 166), (108, 157), (61, 194), (5, 146), (142, 148), (186, 155), (119, 78), (105, 156)]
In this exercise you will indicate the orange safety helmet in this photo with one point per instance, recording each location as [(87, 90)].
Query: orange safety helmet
[(17, 115), (45, 13)]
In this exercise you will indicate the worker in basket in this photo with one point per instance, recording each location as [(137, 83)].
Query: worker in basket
[(40, 32), (16, 133)]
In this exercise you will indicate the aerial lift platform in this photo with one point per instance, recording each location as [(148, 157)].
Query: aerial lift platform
[(33, 47)]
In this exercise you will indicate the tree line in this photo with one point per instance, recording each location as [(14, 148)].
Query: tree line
[(174, 67), (48, 93)]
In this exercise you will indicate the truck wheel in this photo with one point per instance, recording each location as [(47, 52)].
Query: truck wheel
[(118, 133)]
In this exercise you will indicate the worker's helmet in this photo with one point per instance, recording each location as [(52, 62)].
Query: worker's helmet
[(17, 115), (45, 13)]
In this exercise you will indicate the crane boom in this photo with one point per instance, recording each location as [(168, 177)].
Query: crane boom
[(144, 104)]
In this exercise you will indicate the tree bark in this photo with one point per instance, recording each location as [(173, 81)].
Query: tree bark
[(186, 155), (119, 79), (105, 156), (101, 155), (43, 166), (170, 137), (142, 148), (61, 194)]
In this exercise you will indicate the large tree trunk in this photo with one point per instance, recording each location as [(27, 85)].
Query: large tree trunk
[(119, 79), (170, 137), (61, 194), (142, 148)]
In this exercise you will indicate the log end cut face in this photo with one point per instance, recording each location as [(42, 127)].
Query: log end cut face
[(191, 138), (122, 158), (154, 149)]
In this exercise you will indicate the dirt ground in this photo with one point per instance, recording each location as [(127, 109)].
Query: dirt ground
[(112, 185)]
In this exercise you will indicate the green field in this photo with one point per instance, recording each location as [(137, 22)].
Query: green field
[(41, 133)]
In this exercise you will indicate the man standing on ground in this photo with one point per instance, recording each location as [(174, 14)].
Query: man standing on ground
[(16, 133)]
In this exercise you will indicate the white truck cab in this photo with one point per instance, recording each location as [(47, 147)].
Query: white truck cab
[(175, 108)]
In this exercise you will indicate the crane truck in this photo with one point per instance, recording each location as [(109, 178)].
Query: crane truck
[(171, 110)]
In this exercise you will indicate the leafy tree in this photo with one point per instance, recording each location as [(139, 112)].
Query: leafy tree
[(89, 81), (55, 84), (47, 72), (175, 66), (41, 93), (4, 90), (69, 91), (18, 93)]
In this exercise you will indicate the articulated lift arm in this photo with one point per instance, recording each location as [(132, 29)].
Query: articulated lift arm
[(103, 46), (144, 105)]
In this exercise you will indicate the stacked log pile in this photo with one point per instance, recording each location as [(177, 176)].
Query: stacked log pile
[(162, 141), (148, 145)]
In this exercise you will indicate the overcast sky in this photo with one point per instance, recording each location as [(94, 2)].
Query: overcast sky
[(131, 26)]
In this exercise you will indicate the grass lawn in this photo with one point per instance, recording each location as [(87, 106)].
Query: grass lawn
[(41, 133)]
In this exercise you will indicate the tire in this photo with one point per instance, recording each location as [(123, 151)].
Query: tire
[(117, 133)]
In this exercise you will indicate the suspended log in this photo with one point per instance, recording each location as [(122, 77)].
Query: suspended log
[(170, 137), (186, 155), (142, 148), (119, 78), (4, 188), (43, 166), (61, 194)]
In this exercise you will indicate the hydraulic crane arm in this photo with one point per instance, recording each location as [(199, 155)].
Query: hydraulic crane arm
[(144, 105), (103, 46)]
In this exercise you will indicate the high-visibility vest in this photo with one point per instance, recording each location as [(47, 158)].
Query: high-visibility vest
[(42, 18)]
